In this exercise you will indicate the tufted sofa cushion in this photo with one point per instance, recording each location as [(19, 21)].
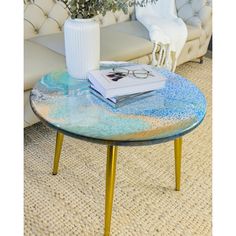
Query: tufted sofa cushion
[(48, 16), (197, 13), (112, 18), (44, 17), (194, 12)]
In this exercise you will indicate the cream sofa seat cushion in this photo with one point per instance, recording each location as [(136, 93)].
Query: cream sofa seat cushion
[(122, 41), (137, 29), (134, 28), (39, 61), (116, 44)]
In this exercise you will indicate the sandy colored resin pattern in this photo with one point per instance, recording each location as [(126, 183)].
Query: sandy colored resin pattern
[(66, 103)]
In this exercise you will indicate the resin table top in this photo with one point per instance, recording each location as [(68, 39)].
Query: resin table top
[(66, 104)]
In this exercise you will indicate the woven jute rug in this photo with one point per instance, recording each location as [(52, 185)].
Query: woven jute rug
[(145, 203)]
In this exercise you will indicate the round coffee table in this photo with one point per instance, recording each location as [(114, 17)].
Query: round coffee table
[(66, 104)]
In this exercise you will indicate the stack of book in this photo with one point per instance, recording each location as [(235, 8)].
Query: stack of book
[(124, 85)]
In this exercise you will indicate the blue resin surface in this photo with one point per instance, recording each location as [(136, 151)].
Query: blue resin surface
[(65, 103)]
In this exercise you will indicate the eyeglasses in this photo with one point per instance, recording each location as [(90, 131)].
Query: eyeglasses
[(120, 73)]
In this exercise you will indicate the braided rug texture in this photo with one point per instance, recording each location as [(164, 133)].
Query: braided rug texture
[(145, 203)]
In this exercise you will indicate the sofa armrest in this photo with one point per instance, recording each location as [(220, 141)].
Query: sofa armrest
[(195, 12)]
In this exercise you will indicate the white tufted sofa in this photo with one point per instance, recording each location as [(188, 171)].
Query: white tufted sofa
[(122, 38)]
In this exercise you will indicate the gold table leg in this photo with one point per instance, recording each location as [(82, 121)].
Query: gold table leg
[(110, 182), (178, 154), (59, 141)]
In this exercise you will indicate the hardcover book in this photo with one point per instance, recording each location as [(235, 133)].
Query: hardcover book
[(128, 80), (117, 102)]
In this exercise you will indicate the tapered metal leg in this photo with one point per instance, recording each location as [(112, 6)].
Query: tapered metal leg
[(178, 154), (59, 141), (110, 181)]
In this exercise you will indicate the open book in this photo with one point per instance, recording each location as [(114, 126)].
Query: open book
[(128, 80)]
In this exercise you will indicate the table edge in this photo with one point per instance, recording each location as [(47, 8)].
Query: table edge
[(116, 142)]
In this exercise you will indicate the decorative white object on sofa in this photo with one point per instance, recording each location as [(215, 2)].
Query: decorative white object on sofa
[(82, 46), (166, 29)]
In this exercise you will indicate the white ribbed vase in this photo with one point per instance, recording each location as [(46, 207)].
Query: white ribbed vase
[(82, 46)]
